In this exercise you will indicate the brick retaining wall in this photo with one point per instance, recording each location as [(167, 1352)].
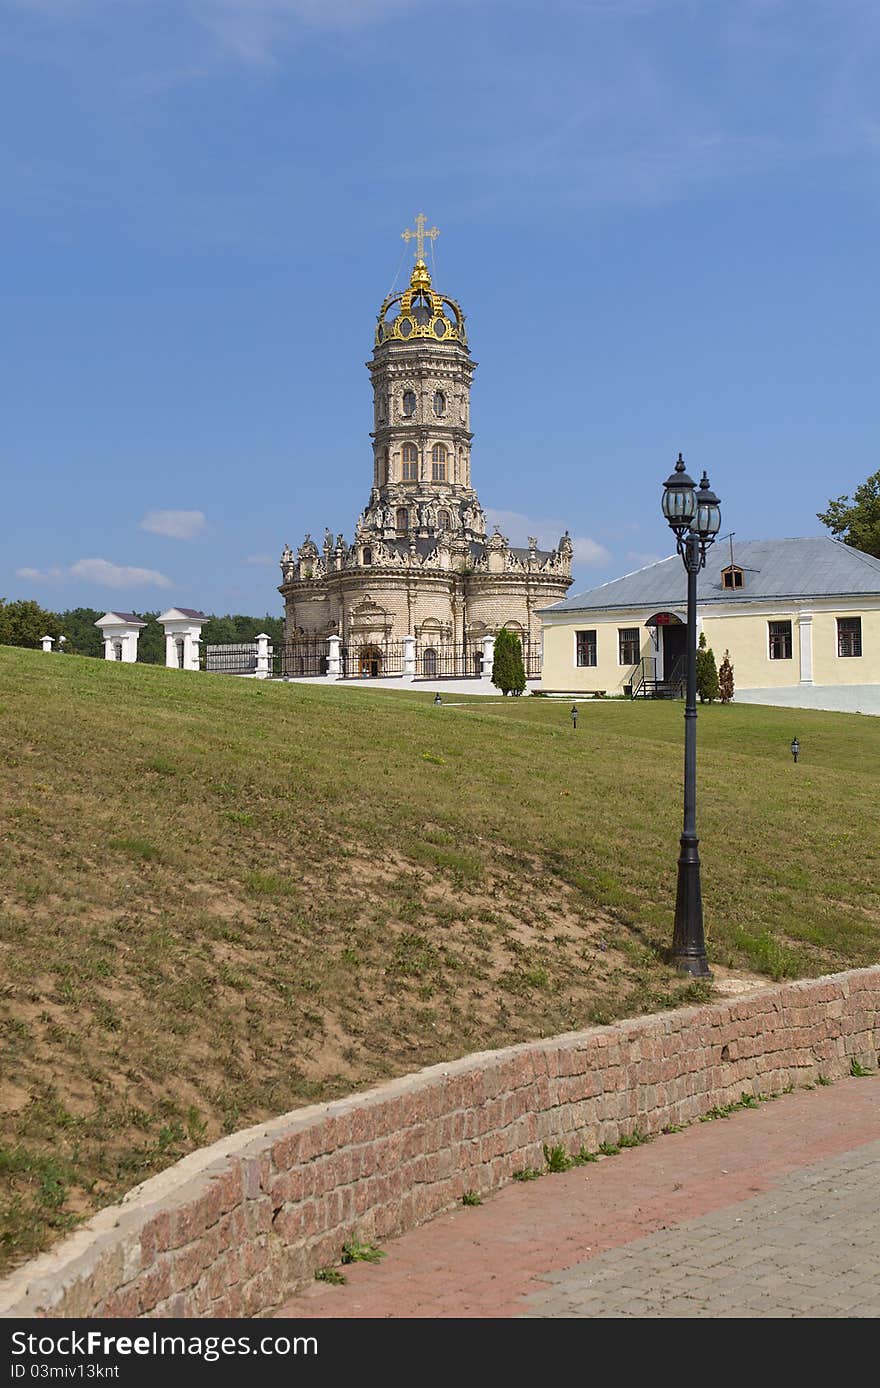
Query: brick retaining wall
[(230, 1230)]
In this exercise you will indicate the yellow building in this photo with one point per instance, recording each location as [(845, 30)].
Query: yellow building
[(796, 613)]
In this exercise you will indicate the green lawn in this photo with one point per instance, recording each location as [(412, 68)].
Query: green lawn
[(222, 899)]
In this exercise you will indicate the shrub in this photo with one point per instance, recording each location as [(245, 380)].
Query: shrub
[(508, 670), (707, 672), (725, 679)]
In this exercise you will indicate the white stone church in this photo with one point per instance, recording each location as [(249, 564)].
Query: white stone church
[(420, 564)]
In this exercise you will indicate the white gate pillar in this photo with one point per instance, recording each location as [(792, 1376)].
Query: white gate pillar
[(409, 657), (122, 628), (182, 624), (46, 642), (488, 656), (263, 670), (333, 662)]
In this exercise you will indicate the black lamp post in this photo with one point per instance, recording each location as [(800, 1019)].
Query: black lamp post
[(694, 514)]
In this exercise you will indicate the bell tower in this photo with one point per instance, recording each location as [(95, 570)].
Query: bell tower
[(419, 566), (421, 371)]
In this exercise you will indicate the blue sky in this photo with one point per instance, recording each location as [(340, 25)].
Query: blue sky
[(660, 216)]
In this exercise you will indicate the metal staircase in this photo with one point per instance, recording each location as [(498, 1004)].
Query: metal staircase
[(645, 684)]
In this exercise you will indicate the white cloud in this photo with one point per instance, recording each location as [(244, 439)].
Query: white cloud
[(635, 556), (176, 525), (99, 571), (517, 528), (40, 575), (589, 552), (263, 561)]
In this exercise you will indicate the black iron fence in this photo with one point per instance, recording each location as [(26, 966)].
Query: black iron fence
[(309, 657), (299, 658), (449, 660), (240, 659), (365, 660), (532, 659)]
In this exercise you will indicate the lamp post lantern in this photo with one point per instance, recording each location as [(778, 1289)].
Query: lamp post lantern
[(694, 515)]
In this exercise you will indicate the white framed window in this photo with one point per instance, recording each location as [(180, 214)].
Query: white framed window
[(585, 651), (779, 638), (849, 636), (628, 645)]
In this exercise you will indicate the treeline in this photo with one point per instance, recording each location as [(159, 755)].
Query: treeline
[(24, 623)]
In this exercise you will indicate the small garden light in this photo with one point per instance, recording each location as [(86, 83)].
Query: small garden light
[(795, 748), (574, 715)]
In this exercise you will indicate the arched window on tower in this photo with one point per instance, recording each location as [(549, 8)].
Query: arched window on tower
[(410, 463), (386, 468), (409, 403), (439, 403), (444, 521), (402, 519), (438, 463)]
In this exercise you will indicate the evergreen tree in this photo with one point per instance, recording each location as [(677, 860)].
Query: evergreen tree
[(519, 668), (725, 679), (707, 672), (508, 670)]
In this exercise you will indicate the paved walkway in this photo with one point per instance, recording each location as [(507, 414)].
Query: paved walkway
[(772, 1212), (836, 698)]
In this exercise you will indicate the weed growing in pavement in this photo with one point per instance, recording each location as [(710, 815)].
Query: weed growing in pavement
[(744, 1101), (858, 1071), (557, 1159), (471, 1197), (331, 1275), (527, 1173), (355, 1252), (609, 1149), (583, 1156), (634, 1139)]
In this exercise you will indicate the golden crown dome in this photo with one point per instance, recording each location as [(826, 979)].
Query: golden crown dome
[(419, 312)]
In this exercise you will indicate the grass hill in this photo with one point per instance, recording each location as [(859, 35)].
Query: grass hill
[(222, 898)]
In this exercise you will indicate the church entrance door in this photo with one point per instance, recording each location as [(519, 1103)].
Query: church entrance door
[(371, 662)]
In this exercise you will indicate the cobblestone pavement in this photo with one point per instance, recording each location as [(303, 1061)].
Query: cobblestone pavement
[(771, 1212), (812, 1248)]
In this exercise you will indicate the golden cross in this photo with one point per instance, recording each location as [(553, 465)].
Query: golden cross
[(420, 235)]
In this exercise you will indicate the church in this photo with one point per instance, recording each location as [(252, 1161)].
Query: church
[(420, 564)]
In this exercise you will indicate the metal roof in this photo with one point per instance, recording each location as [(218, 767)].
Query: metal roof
[(129, 618), (814, 567)]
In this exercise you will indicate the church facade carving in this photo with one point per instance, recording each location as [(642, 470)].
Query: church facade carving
[(420, 562)]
